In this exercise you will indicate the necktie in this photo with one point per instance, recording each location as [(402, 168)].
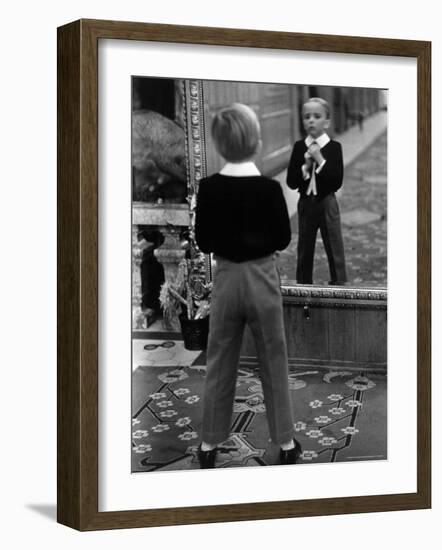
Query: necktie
[(312, 185)]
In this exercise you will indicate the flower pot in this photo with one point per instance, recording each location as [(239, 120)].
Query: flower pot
[(195, 332)]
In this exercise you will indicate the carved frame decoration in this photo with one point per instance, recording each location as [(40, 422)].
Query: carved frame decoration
[(338, 297), (195, 151)]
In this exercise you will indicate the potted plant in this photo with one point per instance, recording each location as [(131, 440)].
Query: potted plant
[(188, 300)]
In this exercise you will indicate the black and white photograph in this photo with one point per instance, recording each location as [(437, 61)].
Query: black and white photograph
[(259, 274), (220, 237)]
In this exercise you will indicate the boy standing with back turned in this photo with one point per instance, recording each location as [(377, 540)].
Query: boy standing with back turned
[(316, 169), (241, 217)]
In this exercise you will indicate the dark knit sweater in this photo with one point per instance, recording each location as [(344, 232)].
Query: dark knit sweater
[(329, 178), (241, 218)]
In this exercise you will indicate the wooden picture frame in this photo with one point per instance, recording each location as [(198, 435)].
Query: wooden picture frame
[(78, 282)]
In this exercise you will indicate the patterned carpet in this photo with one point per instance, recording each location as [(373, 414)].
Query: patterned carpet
[(339, 416)]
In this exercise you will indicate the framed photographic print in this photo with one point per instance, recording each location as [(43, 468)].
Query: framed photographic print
[(137, 108)]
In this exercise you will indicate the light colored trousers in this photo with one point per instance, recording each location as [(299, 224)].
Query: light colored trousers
[(247, 292)]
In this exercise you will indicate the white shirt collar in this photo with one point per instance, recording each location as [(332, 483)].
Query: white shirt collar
[(322, 140), (239, 169)]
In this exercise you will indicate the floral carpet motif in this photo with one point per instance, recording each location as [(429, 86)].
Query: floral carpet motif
[(339, 416)]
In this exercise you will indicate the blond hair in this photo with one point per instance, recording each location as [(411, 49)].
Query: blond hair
[(236, 132), (325, 104)]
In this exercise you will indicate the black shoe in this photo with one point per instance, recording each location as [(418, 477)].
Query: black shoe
[(291, 456), (206, 458)]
